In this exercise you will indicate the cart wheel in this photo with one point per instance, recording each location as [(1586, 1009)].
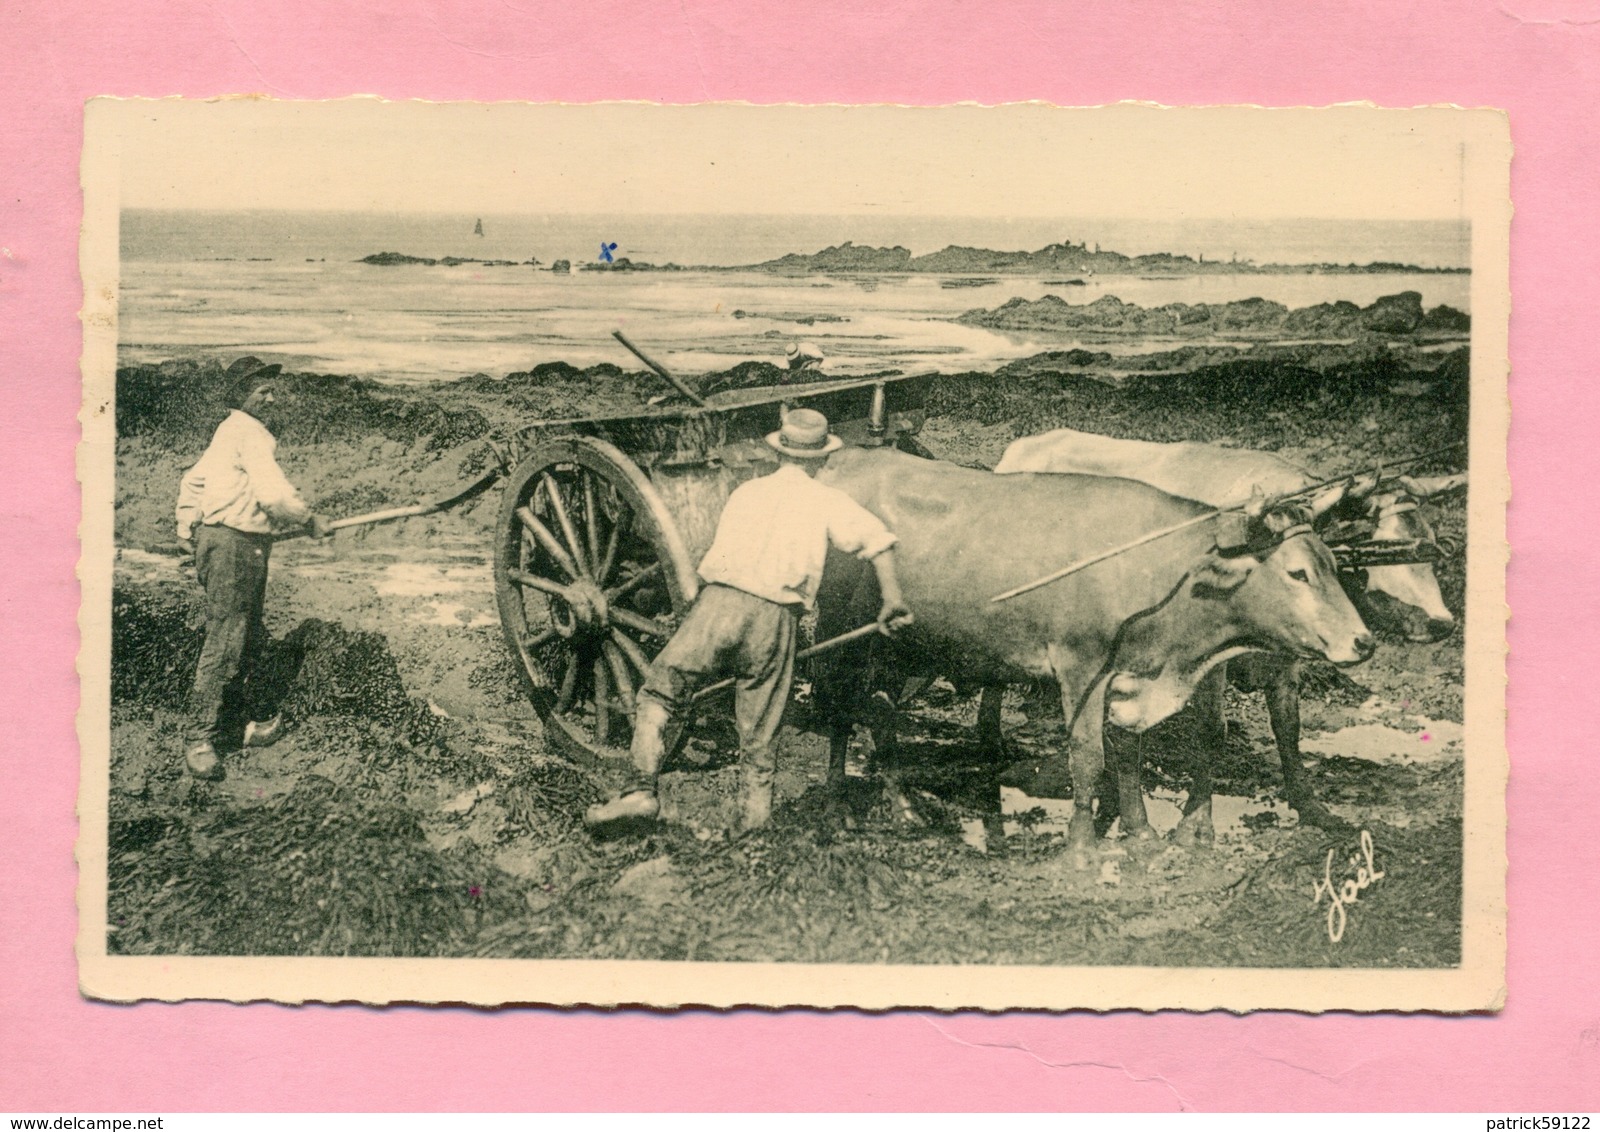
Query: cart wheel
[(591, 577)]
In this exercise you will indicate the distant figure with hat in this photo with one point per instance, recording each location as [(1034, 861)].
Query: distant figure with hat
[(231, 505), (803, 355), (761, 574)]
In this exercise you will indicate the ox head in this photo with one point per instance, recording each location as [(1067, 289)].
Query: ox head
[(1404, 597), (1283, 589), (1275, 590)]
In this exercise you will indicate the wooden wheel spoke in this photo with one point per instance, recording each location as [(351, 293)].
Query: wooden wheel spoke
[(569, 686), (559, 506), (633, 583), (619, 676), (640, 624), (552, 546), (613, 537), (591, 524), (602, 702), (631, 650), (539, 640), (523, 578)]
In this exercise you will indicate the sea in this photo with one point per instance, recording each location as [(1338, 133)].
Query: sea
[(289, 287)]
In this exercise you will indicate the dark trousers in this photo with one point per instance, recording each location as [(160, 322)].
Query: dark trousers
[(232, 567), (727, 633)]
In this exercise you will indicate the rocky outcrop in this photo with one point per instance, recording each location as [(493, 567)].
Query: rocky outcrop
[(1065, 258), (623, 263), (399, 259), (1400, 314), (845, 257), (396, 259)]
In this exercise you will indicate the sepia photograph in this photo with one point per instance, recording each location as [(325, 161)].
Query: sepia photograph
[(997, 557)]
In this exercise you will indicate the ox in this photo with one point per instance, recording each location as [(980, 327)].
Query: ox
[(1132, 635), (1406, 596)]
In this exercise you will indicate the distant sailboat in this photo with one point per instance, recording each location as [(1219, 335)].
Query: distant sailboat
[(477, 229)]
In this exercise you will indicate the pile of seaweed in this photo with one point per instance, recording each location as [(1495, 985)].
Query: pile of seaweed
[(327, 870), (317, 669), (556, 390), (791, 892), (155, 643), (1374, 401), (338, 861), (179, 403)]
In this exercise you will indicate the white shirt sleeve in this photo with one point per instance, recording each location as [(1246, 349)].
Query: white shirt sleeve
[(855, 530), (189, 510), (274, 493)]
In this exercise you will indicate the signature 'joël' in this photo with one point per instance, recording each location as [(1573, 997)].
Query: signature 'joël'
[(1347, 892)]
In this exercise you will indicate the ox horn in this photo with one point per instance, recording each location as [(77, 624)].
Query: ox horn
[(1425, 487), (1366, 483), (1329, 498), (1258, 503)]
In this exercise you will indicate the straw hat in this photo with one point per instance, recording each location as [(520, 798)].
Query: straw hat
[(802, 355), (804, 435)]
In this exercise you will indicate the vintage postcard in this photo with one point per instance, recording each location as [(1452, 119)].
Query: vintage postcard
[(972, 557)]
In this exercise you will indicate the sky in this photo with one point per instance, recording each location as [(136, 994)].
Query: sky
[(1020, 160)]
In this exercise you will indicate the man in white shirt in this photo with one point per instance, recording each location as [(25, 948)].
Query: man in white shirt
[(761, 575), (231, 506)]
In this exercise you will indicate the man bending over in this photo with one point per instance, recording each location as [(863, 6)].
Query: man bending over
[(761, 575)]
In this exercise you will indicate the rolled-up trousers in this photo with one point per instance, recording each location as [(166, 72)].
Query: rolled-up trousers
[(727, 633), (232, 567)]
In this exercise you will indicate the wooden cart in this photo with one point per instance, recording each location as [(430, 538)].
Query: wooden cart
[(604, 520)]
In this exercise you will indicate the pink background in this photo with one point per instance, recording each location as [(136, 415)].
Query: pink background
[(1538, 59)]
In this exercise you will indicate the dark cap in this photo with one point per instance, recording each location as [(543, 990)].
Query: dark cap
[(244, 375)]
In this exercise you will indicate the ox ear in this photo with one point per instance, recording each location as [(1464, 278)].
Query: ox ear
[(1217, 577), (1425, 487)]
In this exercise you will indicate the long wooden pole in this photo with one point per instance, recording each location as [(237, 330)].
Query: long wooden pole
[(661, 370), (1083, 563), (461, 495), (804, 654)]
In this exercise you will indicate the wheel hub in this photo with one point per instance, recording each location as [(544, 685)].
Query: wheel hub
[(587, 610)]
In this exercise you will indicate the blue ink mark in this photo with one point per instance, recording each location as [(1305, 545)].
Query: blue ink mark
[(606, 250)]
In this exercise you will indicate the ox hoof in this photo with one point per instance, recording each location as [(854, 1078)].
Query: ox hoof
[(1313, 814), (631, 813), (1193, 833), (1083, 846), (836, 813), (901, 811)]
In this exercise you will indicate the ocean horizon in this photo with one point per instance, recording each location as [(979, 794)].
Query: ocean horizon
[(724, 241), (289, 287)]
